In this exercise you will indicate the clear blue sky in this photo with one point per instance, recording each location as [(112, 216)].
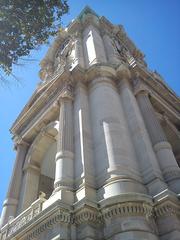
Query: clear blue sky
[(153, 25)]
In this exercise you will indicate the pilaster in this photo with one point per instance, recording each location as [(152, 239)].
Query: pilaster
[(162, 147), (115, 159), (148, 163), (79, 53), (11, 202), (110, 50), (84, 161), (64, 173), (30, 185)]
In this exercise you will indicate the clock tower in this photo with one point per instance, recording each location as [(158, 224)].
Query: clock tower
[(97, 144)]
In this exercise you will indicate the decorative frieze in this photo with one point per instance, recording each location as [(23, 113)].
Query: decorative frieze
[(167, 208), (40, 220), (87, 215), (128, 209)]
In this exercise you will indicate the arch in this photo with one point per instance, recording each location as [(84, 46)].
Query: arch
[(41, 143)]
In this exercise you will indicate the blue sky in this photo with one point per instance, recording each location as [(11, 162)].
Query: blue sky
[(153, 25)]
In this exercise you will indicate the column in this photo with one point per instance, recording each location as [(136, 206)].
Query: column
[(116, 166), (11, 202), (84, 161), (64, 173), (94, 51), (162, 147), (110, 49), (30, 185), (148, 163), (79, 55)]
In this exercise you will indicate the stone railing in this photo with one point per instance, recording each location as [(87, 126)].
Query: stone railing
[(21, 220)]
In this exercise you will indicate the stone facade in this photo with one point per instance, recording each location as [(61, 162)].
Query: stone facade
[(97, 144)]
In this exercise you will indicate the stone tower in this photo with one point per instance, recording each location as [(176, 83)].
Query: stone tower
[(98, 144)]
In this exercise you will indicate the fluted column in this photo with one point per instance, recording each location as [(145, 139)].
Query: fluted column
[(30, 185), (146, 157), (79, 55), (64, 158), (162, 147), (11, 202)]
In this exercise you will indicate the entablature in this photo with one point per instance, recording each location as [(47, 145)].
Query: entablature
[(167, 100)]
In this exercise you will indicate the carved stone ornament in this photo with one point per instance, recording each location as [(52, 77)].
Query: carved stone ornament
[(120, 50), (64, 56), (67, 90), (47, 70)]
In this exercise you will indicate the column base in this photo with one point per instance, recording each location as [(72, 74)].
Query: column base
[(65, 195), (85, 192), (117, 186), (156, 186)]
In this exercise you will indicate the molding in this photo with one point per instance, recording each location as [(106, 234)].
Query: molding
[(158, 88), (33, 221), (87, 214), (162, 145), (128, 209), (123, 72), (168, 108), (43, 100), (167, 208), (20, 141), (100, 70)]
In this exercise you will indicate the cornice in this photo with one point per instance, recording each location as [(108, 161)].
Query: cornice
[(106, 25), (75, 26), (28, 113), (100, 70), (44, 98), (53, 89), (169, 108), (90, 19), (35, 220), (128, 209), (158, 88), (167, 208)]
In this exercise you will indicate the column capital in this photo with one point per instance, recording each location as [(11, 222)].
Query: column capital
[(124, 83), (123, 72), (67, 92), (19, 141), (139, 86), (32, 167), (141, 89)]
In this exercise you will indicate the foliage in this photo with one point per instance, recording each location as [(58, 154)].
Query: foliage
[(25, 25)]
